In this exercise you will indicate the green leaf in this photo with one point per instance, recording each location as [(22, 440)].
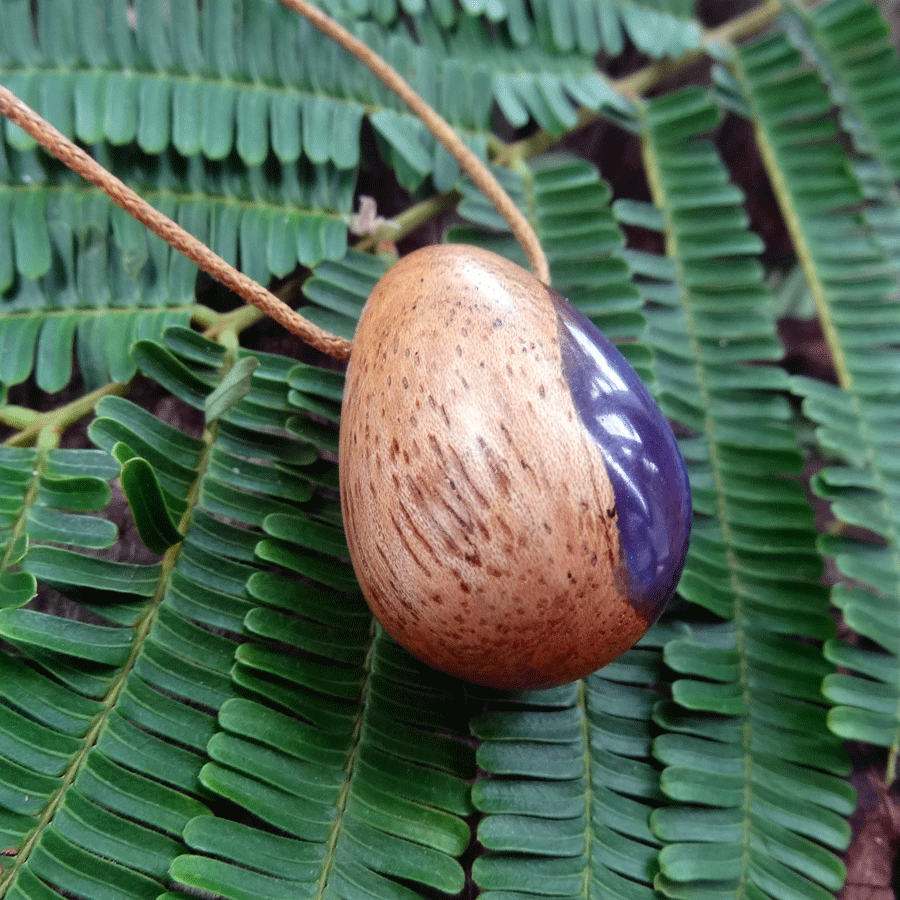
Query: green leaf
[(835, 247), (148, 506), (231, 389), (158, 363), (79, 639), (65, 567), (16, 588)]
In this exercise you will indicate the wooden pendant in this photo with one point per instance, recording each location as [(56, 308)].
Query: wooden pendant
[(516, 506)]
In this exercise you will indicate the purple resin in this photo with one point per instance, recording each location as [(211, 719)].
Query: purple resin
[(645, 466)]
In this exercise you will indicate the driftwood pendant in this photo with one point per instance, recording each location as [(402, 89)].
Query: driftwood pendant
[(516, 506)]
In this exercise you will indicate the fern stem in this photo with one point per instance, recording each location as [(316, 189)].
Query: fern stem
[(794, 224), (17, 417), (439, 127), (172, 233), (19, 531), (237, 320), (204, 316), (350, 766), (63, 416)]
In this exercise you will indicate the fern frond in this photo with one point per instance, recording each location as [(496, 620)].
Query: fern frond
[(215, 72), (335, 744), (105, 806), (586, 26), (97, 283), (546, 89), (593, 26), (83, 275), (370, 785), (45, 495), (850, 43), (253, 79), (79, 275), (855, 290), (657, 27), (737, 751), (570, 784)]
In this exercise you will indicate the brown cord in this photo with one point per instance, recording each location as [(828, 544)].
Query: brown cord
[(172, 233)]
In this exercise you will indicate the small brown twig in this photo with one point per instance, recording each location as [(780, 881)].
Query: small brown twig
[(439, 127), (172, 233)]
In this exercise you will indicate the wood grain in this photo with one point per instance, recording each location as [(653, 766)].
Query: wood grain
[(479, 514)]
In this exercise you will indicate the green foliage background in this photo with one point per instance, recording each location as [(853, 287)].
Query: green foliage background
[(217, 713)]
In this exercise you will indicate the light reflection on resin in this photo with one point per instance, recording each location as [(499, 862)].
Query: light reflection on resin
[(645, 466)]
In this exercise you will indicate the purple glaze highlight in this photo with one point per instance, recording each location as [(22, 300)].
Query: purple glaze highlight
[(645, 466)]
